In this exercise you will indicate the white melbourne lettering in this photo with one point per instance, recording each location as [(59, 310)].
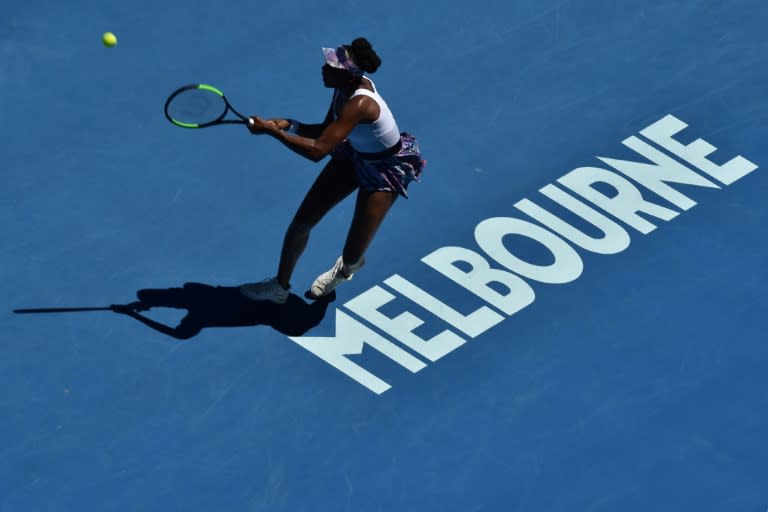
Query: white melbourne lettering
[(627, 202), (696, 152), (473, 271), (566, 268), (401, 327), (473, 324), (349, 340), (654, 176), (519, 293), (614, 240)]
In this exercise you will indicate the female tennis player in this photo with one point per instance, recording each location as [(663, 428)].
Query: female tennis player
[(369, 155)]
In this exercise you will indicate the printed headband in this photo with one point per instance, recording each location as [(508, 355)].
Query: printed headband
[(339, 58)]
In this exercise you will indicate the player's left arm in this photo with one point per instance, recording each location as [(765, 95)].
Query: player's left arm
[(311, 130)]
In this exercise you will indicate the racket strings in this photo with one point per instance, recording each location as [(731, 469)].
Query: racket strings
[(196, 107)]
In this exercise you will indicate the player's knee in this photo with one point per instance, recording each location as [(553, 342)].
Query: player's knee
[(300, 227)]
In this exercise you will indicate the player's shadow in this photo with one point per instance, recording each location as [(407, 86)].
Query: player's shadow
[(222, 306)]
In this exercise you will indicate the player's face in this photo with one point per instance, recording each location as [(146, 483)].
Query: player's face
[(336, 78)]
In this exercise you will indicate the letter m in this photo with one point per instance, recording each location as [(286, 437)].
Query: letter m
[(350, 337)]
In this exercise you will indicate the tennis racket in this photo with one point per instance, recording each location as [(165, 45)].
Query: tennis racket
[(200, 106), (135, 306), (59, 310)]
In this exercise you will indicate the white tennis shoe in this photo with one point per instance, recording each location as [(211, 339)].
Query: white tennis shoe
[(328, 281)]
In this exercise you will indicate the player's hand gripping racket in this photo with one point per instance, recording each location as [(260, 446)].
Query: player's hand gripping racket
[(199, 106)]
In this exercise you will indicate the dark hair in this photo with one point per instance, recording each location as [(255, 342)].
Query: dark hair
[(363, 54)]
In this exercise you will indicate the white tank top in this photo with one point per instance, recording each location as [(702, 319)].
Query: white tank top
[(379, 135)]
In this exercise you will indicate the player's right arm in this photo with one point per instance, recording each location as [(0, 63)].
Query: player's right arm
[(311, 131)]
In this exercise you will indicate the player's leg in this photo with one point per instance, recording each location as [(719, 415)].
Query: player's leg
[(335, 182), (370, 209)]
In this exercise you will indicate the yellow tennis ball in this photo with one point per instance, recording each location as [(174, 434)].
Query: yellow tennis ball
[(109, 39)]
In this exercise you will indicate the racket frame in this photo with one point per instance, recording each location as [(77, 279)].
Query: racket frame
[(217, 121)]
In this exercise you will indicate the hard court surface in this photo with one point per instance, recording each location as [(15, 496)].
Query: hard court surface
[(614, 371)]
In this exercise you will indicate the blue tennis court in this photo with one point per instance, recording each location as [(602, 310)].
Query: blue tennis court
[(567, 313)]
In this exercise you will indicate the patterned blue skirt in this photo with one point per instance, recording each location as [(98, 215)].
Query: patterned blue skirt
[(389, 173)]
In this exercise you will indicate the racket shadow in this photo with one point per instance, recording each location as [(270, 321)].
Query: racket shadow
[(221, 306)]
